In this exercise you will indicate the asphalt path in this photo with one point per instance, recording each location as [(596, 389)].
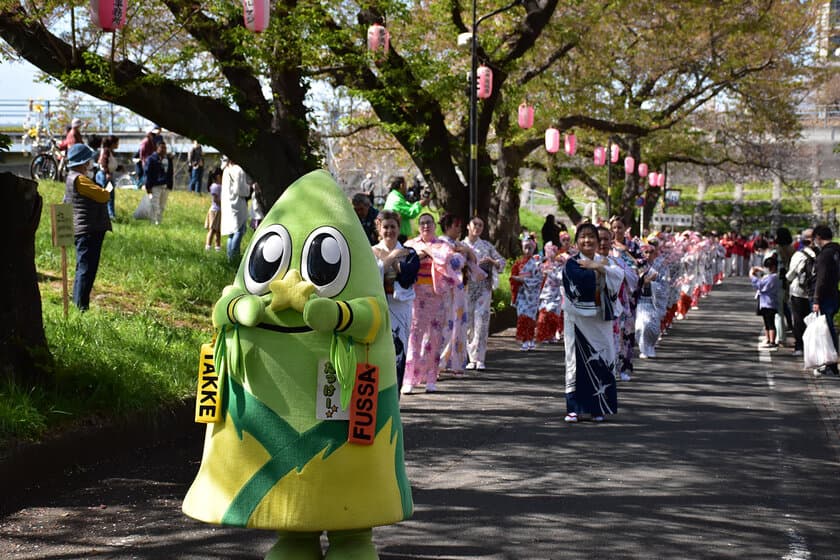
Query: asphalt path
[(719, 450)]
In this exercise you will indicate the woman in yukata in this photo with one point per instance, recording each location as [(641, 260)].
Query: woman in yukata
[(549, 326), (525, 281), (591, 284), (439, 274), (653, 299), (480, 293)]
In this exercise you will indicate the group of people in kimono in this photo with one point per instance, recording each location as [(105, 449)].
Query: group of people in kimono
[(604, 296), (440, 321)]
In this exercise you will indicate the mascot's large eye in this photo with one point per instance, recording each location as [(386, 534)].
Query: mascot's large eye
[(268, 258), (326, 261)]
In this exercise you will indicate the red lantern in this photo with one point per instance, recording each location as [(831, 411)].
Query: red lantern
[(643, 170), (526, 116), (484, 84), (652, 179), (378, 39), (256, 13), (108, 14), (660, 179), (571, 144), (599, 156), (614, 152), (629, 165), (552, 140)]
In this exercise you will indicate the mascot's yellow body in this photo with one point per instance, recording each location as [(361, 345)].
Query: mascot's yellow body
[(304, 340)]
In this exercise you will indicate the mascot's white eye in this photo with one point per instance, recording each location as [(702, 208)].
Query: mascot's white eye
[(268, 258), (326, 261)]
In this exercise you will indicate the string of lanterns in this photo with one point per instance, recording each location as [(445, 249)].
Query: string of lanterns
[(110, 16)]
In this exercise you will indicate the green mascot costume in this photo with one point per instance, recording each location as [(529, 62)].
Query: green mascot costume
[(300, 394)]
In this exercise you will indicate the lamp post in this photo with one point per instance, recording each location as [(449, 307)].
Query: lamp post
[(473, 125)]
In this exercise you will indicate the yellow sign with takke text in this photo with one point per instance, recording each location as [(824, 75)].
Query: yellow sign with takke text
[(208, 398)]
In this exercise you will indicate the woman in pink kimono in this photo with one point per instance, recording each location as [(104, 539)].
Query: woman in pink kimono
[(453, 357), (440, 272)]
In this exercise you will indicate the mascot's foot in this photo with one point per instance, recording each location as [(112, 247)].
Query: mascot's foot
[(296, 546), (351, 545)]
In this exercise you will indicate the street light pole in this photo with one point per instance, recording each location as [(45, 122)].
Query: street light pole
[(473, 124)]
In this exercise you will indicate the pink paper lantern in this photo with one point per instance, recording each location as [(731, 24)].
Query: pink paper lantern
[(614, 153), (378, 40), (599, 156), (660, 179), (643, 170), (552, 140), (526, 116), (629, 165), (571, 144), (484, 82), (108, 14), (652, 179), (256, 14)]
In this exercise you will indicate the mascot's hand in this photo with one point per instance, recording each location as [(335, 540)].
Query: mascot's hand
[(236, 307), (321, 314)]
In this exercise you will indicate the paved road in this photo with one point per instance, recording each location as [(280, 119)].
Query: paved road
[(719, 450)]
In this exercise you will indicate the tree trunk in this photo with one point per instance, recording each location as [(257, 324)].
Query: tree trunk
[(24, 354)]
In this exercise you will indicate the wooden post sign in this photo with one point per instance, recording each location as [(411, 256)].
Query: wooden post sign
[(62, 236)]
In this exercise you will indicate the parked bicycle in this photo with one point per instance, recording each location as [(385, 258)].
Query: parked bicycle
[(49, 161)]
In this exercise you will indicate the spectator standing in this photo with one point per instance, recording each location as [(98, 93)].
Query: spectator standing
[(234, 207), (213, 220), (480, 293), (591, 284), (800, 276), (158, 173), (74, 135), (107, 166), (551, 231), (90, 221), (195, 159), (148, 146), (766, 283), (396, 202), (826, 270), (367, 216)]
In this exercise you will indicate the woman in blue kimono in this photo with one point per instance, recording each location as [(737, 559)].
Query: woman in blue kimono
[(591, 284)]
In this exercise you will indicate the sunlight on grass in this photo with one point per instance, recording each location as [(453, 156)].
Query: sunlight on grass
[(137, 347)]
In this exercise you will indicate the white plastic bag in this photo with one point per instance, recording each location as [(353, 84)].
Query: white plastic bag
[(818, 348), (144, 209)]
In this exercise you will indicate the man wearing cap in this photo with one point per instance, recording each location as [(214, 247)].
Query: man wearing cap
[(90, 220), (74, 136)]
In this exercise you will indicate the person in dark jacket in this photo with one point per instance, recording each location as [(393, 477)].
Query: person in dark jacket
[(158, 173), (827, 272), (90, 220)]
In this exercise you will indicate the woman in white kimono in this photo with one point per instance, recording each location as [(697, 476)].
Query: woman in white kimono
[(591, 284), (653, 300)]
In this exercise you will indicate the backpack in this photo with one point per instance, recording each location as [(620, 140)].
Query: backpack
[(807, 276)]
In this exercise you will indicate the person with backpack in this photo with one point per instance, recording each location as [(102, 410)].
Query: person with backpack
[(801, 278)]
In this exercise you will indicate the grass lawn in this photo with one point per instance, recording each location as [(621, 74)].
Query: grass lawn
[(137, 348)]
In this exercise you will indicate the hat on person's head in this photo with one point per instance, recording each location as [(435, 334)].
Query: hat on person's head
[(79, 154), (153, 130), (76, 123)]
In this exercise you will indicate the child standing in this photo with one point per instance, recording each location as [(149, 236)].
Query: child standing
[(767, 286), (214, 216)]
